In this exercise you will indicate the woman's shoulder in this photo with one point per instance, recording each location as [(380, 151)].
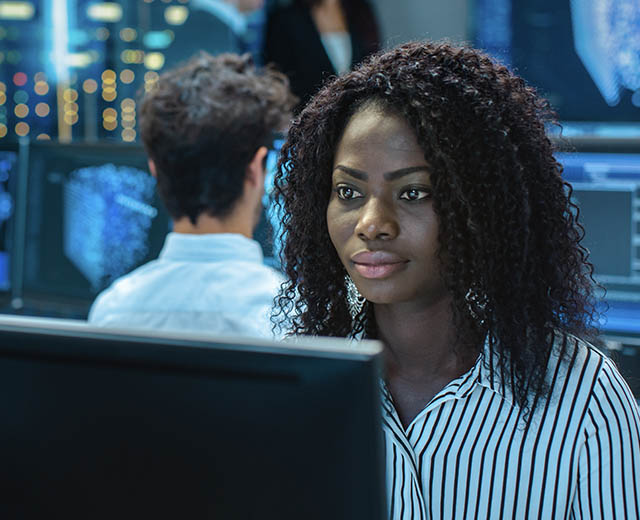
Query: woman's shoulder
[(582, 377)]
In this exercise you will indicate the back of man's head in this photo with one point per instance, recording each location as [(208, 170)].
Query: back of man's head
[(202, 124)]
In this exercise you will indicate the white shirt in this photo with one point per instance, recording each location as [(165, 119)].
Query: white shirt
[(215, 283), (469, 454)]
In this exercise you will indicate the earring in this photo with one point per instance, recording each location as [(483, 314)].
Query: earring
[(477, 304), (355, 301)]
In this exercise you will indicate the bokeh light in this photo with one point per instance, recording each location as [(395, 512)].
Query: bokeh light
[(22, 129), (42, 109)]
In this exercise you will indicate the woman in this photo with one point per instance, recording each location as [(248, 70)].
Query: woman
[(311, 40), (424, 207)]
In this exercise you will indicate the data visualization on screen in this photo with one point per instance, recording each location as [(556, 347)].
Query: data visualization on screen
[(92, 216)]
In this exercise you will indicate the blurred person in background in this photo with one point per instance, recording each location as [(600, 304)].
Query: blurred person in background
[(215, 26), (310, 40), (206, 128)]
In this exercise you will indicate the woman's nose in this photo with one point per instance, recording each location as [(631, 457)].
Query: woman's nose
[(376, 221)]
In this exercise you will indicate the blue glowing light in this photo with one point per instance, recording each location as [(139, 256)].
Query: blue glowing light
[(8, 161), (107, 218)]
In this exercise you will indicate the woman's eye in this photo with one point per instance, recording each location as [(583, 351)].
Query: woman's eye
[(415, 194), (347, 193)]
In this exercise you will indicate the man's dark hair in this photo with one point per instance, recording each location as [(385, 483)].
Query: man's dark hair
[(201, 125), (508, 230)]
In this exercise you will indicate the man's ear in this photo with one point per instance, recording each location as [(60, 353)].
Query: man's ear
[(255, 169), (152, 168)]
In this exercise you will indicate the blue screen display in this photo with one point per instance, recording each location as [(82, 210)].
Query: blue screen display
[(582, 56), (606, 188)]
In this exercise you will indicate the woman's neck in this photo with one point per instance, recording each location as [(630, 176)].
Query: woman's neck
[(422, 353)]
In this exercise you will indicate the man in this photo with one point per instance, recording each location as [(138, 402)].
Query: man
[(206, 127)]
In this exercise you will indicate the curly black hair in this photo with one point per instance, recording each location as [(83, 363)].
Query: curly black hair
[(507, 227), (202, 124)]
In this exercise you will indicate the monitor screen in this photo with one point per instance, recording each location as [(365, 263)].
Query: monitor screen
[(92, 215), (582, 56), (606, 188), (100, 424), (9, 165)]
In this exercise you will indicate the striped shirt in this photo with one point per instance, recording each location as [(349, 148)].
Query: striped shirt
[(470, 454)]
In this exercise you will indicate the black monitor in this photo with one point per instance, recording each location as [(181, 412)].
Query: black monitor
[(605, 176), (583, 56), (91, 215), (106, 424)]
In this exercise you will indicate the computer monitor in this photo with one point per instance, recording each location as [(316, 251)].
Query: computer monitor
[(605, 176), (92, 215), (582, 56), (106, 424), (9, 167)]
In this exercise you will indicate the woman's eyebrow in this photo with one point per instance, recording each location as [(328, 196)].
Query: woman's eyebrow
[(389, 176)]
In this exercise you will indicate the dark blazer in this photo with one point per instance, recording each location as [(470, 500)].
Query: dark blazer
[(293, 44)]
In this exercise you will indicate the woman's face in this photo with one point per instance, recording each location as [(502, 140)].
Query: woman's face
[(380, 215)]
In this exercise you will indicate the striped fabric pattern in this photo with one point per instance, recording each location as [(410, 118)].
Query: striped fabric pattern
[(471, 454)]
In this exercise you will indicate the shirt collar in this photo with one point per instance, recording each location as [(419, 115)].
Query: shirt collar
[(489, 372), (213, 247)]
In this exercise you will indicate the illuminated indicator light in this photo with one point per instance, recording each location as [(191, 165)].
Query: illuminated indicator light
[(70, 95), (71, 118), (176, 14), (22, 129), (3, 87), (128, 134), (128, 34), (127, 76), (102, 34), (109, 115), (154, 60), (151, 77), (90, 86), (70, 107), (20, 96), (128, 104), (19, 79), (21, 110), (43, 137), (16, 10), (41, 88), (42, 109), (158, 39), (3, 130), (132, 56), (109, 96), (108, 76), (105, 12), (128, 124), (3, 98), (109, 90), (79, 60), (109, 125)]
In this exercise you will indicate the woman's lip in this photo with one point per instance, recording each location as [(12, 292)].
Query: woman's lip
[(380, 270), (376, 258)]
